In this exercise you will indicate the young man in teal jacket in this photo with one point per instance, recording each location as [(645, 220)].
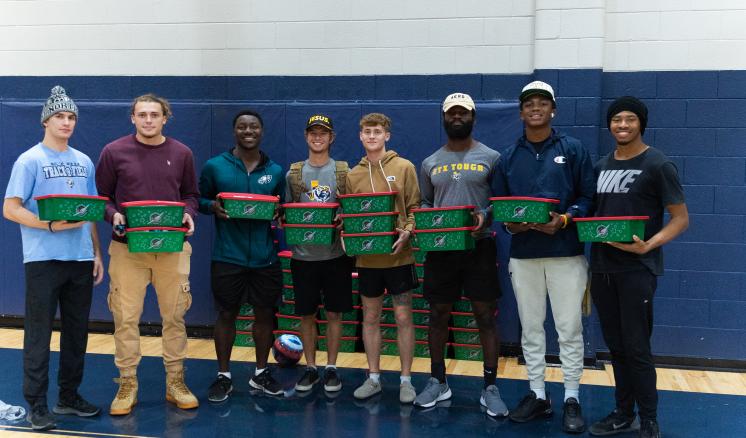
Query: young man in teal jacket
[(245, 267)]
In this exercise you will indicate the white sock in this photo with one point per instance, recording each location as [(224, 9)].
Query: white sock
[(403, 379), (331, 366), (259, 371), (376, 377), (574, 393), (540, 393), (226, 374)]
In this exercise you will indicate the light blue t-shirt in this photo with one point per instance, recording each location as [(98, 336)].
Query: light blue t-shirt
[(43, 171)]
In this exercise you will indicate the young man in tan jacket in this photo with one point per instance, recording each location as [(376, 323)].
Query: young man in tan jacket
[(384, 171)]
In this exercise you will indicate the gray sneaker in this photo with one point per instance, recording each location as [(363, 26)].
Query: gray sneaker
[(433, 393), (491, 400), (407, 393), (369, 388)]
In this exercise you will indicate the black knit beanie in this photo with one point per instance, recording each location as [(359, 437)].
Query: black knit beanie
[(632, 104)]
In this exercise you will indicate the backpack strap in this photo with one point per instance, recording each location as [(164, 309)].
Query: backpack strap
[(340, 172), (295, 181)]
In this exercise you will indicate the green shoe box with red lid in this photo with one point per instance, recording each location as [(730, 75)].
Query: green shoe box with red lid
[(368, 243), (154, 213), (309, 234), (310, 213), (65, 207), (249, 205), (522, 209), (379, 202), (610, 228), (155, 239), (445, 239), (457, 216), (369, 222)]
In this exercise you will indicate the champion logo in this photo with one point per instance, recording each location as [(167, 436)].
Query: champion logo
[(249, 209), (560, 159), (81, 210), (155, 218)]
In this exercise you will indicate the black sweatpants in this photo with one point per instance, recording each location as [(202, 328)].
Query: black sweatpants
[(48, 282), (625, 308)]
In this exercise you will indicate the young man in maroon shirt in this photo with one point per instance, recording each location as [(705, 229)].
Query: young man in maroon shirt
[(148, 166)]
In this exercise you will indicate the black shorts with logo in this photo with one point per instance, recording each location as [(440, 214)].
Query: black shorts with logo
[(234, 285), (329, 281), (395, 281), (473, 272)]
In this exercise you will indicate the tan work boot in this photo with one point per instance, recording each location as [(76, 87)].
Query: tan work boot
[(178, 393), (126, 397)]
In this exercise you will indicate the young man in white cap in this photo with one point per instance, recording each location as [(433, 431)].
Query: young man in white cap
[(62, 261), (546, 259), (633, 180), (459, 173)]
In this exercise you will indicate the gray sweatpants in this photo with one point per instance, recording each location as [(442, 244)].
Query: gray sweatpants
[(564, 280)]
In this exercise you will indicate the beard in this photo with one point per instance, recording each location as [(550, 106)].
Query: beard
[(458, 132)]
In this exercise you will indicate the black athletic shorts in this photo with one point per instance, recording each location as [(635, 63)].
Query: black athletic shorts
[(473, 272), (329, 281), (234, 285), (395, 281)]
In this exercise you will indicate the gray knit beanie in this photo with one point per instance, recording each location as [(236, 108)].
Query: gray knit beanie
[(57, 103)]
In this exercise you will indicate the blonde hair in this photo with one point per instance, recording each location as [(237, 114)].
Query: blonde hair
[(374, 119)]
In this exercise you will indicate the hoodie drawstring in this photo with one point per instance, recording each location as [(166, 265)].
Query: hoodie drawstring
[(386, 178)]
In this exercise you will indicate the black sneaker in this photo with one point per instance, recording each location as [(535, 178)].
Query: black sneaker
[(76, 405), (40, 418), (332, 383), (572, 417), (614, 423), (649, 429), (308, 379), (220, 389), (266, 383), (531, 407)]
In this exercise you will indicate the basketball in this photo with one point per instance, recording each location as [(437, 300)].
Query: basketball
[(287, 350)]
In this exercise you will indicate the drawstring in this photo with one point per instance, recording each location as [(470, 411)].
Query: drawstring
[(370, 175), (385, 178)]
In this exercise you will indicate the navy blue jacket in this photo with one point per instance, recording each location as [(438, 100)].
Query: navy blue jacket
[(563, 170)]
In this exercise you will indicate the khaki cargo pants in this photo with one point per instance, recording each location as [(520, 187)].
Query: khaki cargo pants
[(130, 275)]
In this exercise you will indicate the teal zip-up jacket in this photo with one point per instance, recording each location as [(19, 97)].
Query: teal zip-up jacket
[(243, 242)]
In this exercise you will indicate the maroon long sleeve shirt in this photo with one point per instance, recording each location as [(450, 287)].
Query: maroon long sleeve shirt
[(132, 171)]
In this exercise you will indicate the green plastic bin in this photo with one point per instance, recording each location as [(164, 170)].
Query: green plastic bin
[(421, 317), (346, 344), (445, 239), (288, 293), (387, 316), (287, 322), (249, 205), (443, 217), (154, 213), (316, 213), (296, 234), (389, 347), (346, 316), (287, 308), (244, 339), (611, 228), (462, 305), (419, 255), (465, 335), (369, 243), (369, 222), (420, 270), (367, 202), (285, 257), (522, 209), (467, 352), (287, 277), (419, 302), (246, 310), (71, 207), (464, 320), (421, 349), (245, 323), (349, 328), (155, 239), (355, 281)]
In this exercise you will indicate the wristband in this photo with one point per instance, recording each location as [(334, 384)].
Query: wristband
[(49, 225)]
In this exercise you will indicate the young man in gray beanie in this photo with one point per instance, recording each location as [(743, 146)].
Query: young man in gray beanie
[(633, 180), (62, 261)]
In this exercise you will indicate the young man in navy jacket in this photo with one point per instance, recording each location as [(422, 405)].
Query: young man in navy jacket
[(547, 258)]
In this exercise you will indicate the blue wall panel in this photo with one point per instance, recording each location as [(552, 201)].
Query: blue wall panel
[(697, 118)]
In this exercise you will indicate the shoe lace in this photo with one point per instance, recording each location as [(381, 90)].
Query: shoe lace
[(126, 386)]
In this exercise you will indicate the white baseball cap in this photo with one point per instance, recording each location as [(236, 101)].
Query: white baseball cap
[(458, 99), (537, 87)]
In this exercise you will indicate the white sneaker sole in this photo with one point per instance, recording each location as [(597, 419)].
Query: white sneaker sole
[(444, 396), (490, 413)]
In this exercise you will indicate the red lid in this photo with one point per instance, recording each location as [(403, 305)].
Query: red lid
[(248, 197), (386, 233), (287, 271), (153, 204), (611, 218), (459, 329), (308, 226), (285, 253), (245, 318), (384, 213), (311, 205), (100, 198), (454, 207), (414, 248), (524, 198), (440, 230), (280, 315), (184, 230), (464, 345), (419, 264), (462, 313), (354, 275), (358, 195)]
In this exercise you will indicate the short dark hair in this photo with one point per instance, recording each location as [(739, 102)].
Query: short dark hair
[(248, 112), (150, 97)]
